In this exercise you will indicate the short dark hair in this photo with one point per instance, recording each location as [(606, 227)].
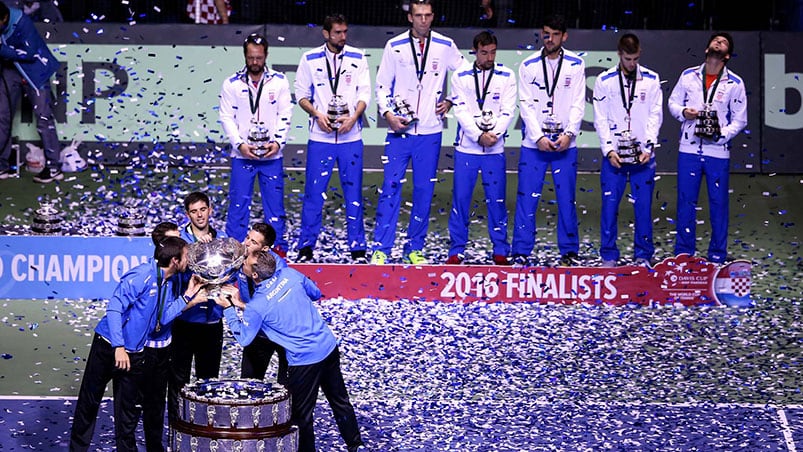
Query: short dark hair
[(267, 232), (255, 38), (629, 43), (555, 22), (484, 38), (265, 265), (419, 3), (160, 232), (4, 11), (332, 19), (194, 197), (167, 249), (723, 34)]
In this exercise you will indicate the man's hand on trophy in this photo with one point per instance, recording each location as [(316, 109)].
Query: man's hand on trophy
[(346, 123), (545, 144), (247, 150), (614, 160), (644, 157), (323, 122), (488, 139), (396, 123), (272, 150), (690, 113), (229, 297)]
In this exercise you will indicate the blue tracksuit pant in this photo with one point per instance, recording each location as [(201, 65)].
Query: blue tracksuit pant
[(533, 165), (241, 190)]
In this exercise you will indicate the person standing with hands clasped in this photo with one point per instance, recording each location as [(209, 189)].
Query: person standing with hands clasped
[(484, 98), (552, 86), (628, 111), (410, 96), (333, 79), (255, 110), (710, 100)]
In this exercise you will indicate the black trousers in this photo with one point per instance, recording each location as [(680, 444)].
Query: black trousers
[(154, 396), (303, 385), (202, 341), (257, 356), (99, 371)]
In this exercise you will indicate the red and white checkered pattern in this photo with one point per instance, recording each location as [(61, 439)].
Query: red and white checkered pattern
[(207, 10), (741, 286)]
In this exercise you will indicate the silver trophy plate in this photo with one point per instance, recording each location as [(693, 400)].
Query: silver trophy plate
[(707, 125), (402, 109), (337, 107), (259, 136), (628, 148), (487, 121), (552, 127), (216, 262)]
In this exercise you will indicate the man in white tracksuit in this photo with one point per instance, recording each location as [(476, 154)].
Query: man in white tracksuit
[(712, 84), (484, 98), (414, 67), (552, 82), (628, 105), (333, 68), (256, 95)]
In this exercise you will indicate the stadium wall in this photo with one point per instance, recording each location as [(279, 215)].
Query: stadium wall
[(149, 93)]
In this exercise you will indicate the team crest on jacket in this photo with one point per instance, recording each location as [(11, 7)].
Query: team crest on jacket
[(272, 96), (348, 79), (434, 65), (642, 97), (567, 82)]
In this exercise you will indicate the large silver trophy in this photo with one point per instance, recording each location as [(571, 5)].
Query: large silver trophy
[(402, 109), (47, 218), (707, 125), (487, 121), (259, 136), (552, 127), (628, 148), (216, 262), (337, 107)]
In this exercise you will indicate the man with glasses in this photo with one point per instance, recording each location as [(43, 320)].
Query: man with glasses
[(409, 91), (255, 110)]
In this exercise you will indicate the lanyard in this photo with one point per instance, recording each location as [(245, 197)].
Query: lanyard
[(627, 101), (481, 95), (551, 92), (706, 98), (419, 70), (160, 299), (254, 103), (329, 72)]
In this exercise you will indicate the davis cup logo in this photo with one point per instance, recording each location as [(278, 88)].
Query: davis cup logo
[(732, 284)]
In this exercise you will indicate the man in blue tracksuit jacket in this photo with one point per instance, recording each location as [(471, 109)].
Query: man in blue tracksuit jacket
[(282, 308), (142, 302), (26, 64)]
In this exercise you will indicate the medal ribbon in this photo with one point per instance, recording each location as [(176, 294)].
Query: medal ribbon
[(706, 98), (419, 70), (329, 73), (627, 101), (481, 95), (551, 92)]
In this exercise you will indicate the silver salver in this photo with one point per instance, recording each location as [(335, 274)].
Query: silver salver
[(337, 107), (552, 127), (402, 109), (487, 120), (216, 262), (628, 148), (259, 136), (707, 125)]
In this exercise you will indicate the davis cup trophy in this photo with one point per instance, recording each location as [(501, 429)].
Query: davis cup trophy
[(487, 121), (707, 125), (628, 148), (259, 136), (216, 262), (552, 127), (337, 107), (402, 109)]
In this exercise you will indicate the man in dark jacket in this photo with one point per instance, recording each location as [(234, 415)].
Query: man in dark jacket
[(26, 64)]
